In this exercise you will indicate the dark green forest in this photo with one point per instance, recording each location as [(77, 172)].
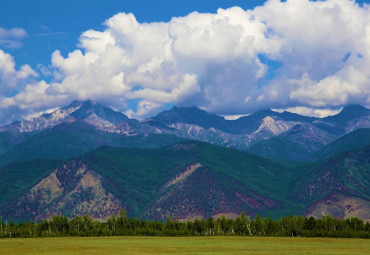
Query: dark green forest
[(291, 226)]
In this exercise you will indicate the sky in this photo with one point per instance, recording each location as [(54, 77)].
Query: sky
[(226, 57)]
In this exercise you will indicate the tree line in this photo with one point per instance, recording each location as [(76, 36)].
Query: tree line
[(121, 225)]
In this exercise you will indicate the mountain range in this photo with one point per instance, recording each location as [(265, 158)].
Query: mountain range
[(278, 135), (87, 158)]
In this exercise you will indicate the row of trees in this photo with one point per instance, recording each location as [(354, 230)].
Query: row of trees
[(242, 225)]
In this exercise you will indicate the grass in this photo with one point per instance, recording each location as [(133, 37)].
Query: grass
[(184, 245)]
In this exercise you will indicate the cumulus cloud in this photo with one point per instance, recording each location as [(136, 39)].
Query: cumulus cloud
[(12, 81), (10, 78), (307, 111), (325, 53), (296, 54), (10, 38)]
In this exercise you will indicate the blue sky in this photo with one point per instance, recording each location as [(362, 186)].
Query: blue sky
[(230, 57), (57, 24)]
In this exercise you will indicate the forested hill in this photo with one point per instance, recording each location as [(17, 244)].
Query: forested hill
[(187, 180)]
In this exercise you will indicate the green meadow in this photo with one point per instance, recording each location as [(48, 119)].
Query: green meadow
[(184, 245)]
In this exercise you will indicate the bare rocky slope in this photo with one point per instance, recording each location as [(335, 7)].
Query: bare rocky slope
[(69, 190)]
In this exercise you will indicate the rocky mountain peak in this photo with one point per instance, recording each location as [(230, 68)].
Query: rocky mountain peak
[(265, 112), (350, 118), (89, 108), (191, 115), (354, 110), (93, 113), (73, 104)]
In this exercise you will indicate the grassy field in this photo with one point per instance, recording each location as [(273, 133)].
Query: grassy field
[(184, 245)]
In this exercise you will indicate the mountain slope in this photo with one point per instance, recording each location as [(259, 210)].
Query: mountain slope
[(185, 181), (251, 123), (98, 115), (243, 125), (281, 135), (18, 177), (350, 118), (191, 115), (295, 144), (345, 177), (44, 121), (194, 123), (225, 166), (93, 113), (349, 114), (68, 140), (9, 139), (69, 190), (351, 141), (154, 183)]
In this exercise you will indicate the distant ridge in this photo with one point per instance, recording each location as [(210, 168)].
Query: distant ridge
[(282, 135)]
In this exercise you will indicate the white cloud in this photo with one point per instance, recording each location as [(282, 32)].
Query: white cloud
[(145, 107), (34, 97), (296, 54), (349, 84), (31, 101), (325, 53), (234, 117), (306, 111), (10, 78), (185, 61), (10, 38)]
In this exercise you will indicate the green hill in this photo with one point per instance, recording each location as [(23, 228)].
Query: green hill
[(295, 144), (9, 139), (339, 186), (140, 176), (351, 141), (18, 177), (186, 180)]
